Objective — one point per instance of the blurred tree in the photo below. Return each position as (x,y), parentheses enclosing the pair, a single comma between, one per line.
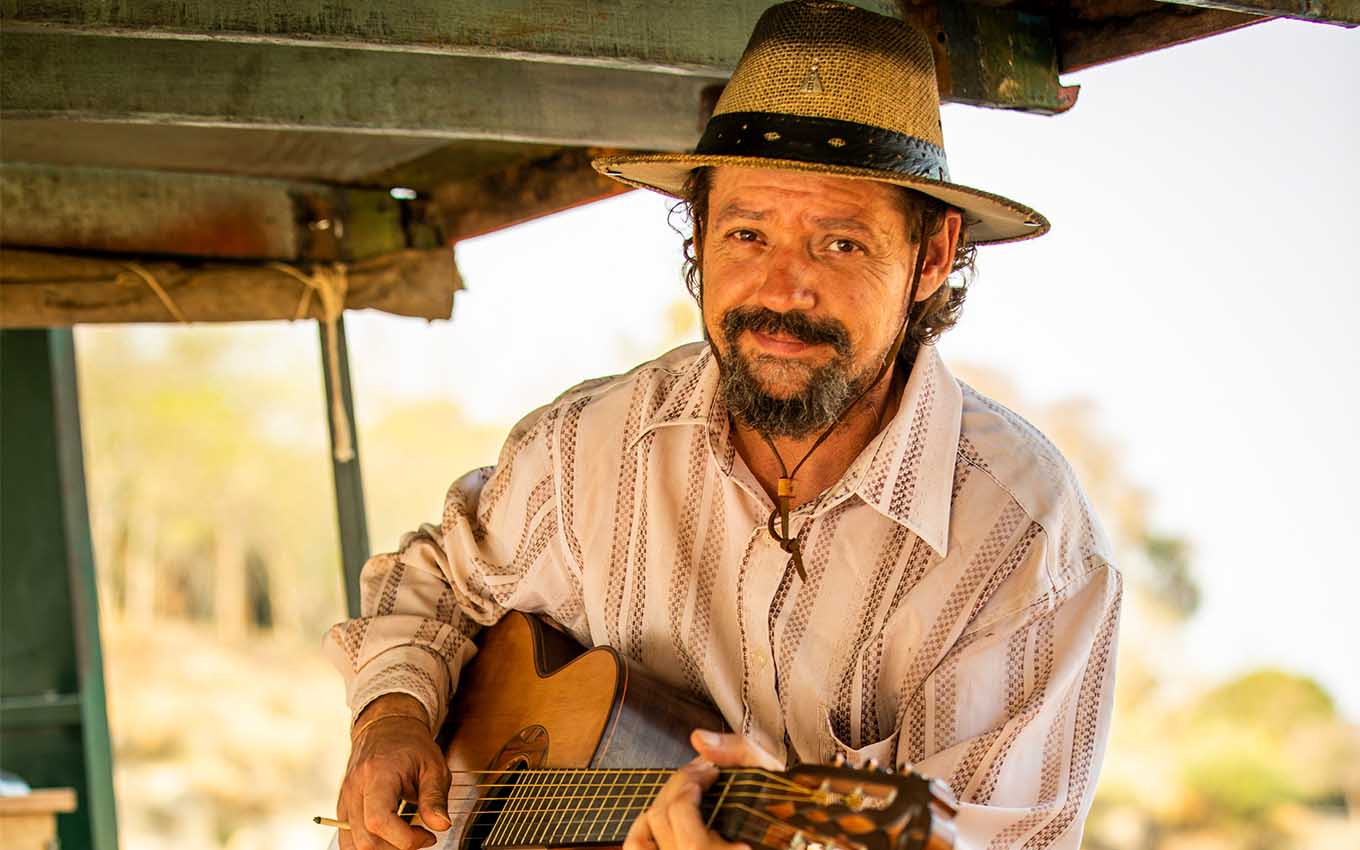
(198,454)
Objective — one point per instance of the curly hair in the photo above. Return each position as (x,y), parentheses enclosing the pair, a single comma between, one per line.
(929,318)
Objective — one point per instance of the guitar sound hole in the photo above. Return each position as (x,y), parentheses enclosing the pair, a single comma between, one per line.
(490,804)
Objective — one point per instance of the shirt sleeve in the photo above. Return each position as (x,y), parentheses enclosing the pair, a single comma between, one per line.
(497,547)
(1015,717)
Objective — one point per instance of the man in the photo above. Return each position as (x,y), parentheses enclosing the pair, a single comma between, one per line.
(806,520)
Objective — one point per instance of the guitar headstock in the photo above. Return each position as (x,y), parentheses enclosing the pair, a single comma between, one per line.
(829,807)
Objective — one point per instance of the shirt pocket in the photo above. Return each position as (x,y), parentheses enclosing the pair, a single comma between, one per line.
(884,751)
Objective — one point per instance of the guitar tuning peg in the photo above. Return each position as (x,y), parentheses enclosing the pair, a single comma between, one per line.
(872,764)
(838,760)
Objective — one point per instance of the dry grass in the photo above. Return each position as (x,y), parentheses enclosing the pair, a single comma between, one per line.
(222,745)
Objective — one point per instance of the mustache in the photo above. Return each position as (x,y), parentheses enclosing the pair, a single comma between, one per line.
(794,323)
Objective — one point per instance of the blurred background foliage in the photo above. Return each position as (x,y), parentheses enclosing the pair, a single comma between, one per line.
(217,553)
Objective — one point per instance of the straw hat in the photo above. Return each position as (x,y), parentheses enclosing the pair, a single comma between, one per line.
(829,88)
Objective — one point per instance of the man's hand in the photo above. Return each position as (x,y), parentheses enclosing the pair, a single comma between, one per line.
(392,757)
(673,821)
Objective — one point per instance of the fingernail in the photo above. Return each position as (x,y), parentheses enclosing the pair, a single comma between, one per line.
(709,739)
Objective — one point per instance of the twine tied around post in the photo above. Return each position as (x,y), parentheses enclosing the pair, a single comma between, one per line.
(331,284)
(155,286)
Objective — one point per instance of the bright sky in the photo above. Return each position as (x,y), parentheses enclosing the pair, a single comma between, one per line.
(1200,285)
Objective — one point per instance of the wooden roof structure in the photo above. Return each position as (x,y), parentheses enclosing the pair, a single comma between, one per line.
(225,132)
(227,160)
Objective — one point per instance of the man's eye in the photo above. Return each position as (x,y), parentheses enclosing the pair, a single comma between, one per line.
(743,235)
(844,246)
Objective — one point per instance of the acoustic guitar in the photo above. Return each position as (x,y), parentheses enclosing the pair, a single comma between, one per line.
(554,746)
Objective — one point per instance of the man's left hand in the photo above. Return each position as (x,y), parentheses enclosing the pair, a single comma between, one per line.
(673,821)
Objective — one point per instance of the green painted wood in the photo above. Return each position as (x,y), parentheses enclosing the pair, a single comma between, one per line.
(347,476)
(1325,11)
(40,711)
(1002,58)
(49,620)
(73,208)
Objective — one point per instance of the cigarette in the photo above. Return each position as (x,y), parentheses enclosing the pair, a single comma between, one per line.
(339,824)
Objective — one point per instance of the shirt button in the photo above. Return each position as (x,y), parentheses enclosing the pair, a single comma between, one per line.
(761,659)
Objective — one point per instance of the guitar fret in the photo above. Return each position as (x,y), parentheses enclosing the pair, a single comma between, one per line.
(569,813)
(595,786)
(524,811)
(641,798)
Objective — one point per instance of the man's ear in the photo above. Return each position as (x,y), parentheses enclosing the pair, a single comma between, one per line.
(940,248)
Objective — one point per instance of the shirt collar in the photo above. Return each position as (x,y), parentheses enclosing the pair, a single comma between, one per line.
(906,472)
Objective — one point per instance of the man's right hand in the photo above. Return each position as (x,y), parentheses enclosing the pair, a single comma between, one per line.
(392,757)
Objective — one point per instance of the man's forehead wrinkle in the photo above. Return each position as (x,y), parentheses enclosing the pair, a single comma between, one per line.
(828,223)
(734,209)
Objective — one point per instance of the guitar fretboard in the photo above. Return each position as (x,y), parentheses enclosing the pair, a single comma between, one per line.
(563,808)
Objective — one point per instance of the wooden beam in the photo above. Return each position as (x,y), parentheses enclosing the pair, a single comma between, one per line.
(202,215)
(612,73)
(995,57)
(522,192)
(247,152)
(1345,12)
(40,289)
(700,37)
(1083,44)
(414,95)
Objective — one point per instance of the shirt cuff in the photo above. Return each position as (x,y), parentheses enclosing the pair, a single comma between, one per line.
(410,670)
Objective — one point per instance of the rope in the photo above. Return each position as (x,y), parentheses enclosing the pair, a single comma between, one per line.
(330,283)
(154,285)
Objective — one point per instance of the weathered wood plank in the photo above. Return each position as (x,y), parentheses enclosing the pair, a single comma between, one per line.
(40,289)
(528,70)
(1083,45)
(202,215)
(145,80)
(1324,11)
(519,193)
(987,56)
(249,152)
(704,37)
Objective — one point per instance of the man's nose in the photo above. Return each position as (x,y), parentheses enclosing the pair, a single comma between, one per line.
(788,281)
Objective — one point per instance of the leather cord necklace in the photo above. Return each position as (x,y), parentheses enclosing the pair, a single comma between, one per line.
(785,488)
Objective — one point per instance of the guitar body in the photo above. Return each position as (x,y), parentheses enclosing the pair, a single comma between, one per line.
(534,698)
(555,746)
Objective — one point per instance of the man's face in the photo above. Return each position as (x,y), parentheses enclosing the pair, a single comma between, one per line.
(805,282)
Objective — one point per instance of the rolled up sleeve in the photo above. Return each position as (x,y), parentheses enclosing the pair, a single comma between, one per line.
(497,547)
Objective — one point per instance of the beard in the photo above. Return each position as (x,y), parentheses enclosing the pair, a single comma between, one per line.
(826,390)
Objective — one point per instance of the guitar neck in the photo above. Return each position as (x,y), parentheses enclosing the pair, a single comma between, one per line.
(576,807)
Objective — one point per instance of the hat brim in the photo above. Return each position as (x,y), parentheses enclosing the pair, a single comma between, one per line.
(992,219)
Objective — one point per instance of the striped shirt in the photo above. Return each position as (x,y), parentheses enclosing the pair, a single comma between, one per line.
(959,614)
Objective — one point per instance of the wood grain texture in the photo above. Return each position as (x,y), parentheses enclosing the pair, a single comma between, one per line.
(700,36)
(329,89)
(40,289)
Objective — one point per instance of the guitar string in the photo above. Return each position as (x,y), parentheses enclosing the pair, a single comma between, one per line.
(511,809)
(520,801)
(772,779)
(750,832)
(745,786)
(619,804)
(617,814)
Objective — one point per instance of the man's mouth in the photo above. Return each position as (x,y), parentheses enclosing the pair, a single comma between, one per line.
(779,343)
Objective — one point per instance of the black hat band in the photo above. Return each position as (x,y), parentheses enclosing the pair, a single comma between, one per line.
(825,141)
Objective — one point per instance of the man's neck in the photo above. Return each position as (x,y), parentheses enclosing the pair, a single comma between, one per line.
(855,430)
